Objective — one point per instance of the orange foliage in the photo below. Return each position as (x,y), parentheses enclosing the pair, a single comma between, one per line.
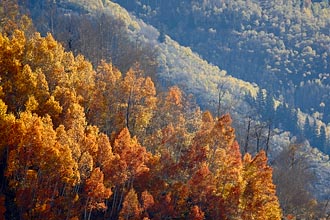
(131,153)
(60,166)
(96,191)
(196,213)
(131,207)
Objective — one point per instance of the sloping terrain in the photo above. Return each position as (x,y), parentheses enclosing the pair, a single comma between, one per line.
(174,65)
(282,46)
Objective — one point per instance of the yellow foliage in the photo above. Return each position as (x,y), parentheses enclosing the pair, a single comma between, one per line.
(308,12)
(52,107)
(31,104)
(259,200)
(76,198)
(3,108)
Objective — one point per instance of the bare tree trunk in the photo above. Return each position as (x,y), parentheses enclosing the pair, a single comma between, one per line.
(89,214)
(121,197)
(246,145)
(268,137)
(221,94)
(129,108)
(114,201)
(85,211)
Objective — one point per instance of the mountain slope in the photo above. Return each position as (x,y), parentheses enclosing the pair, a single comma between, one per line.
(281,46)
(283,41)
(175,65)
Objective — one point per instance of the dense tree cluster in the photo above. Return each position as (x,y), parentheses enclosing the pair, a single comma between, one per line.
(95,35)
(280,45)
(79,142)
(98,34)
(282,40)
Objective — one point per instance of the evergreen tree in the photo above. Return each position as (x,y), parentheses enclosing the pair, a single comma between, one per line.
(322,141)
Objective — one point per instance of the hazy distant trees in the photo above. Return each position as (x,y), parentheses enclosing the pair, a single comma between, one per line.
(281,47)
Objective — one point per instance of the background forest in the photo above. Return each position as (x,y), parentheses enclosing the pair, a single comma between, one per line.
(139,129)
(282,46)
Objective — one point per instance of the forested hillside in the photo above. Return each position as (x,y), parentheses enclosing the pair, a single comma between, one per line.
(282,46)
(85,143)
(120,134)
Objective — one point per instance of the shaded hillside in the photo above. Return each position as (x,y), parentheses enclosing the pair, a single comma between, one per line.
(78,142)
(284,44)
(110,33)
(281,46)
(176,64)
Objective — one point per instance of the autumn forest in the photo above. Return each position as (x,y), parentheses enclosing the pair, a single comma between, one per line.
(83,140)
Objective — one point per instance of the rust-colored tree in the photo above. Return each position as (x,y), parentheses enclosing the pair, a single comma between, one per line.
(147,203)
(202,187)
(132,153)
(129,164)
(196,213)
(216,168)
(97,193)
(131,209)
(31,163)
